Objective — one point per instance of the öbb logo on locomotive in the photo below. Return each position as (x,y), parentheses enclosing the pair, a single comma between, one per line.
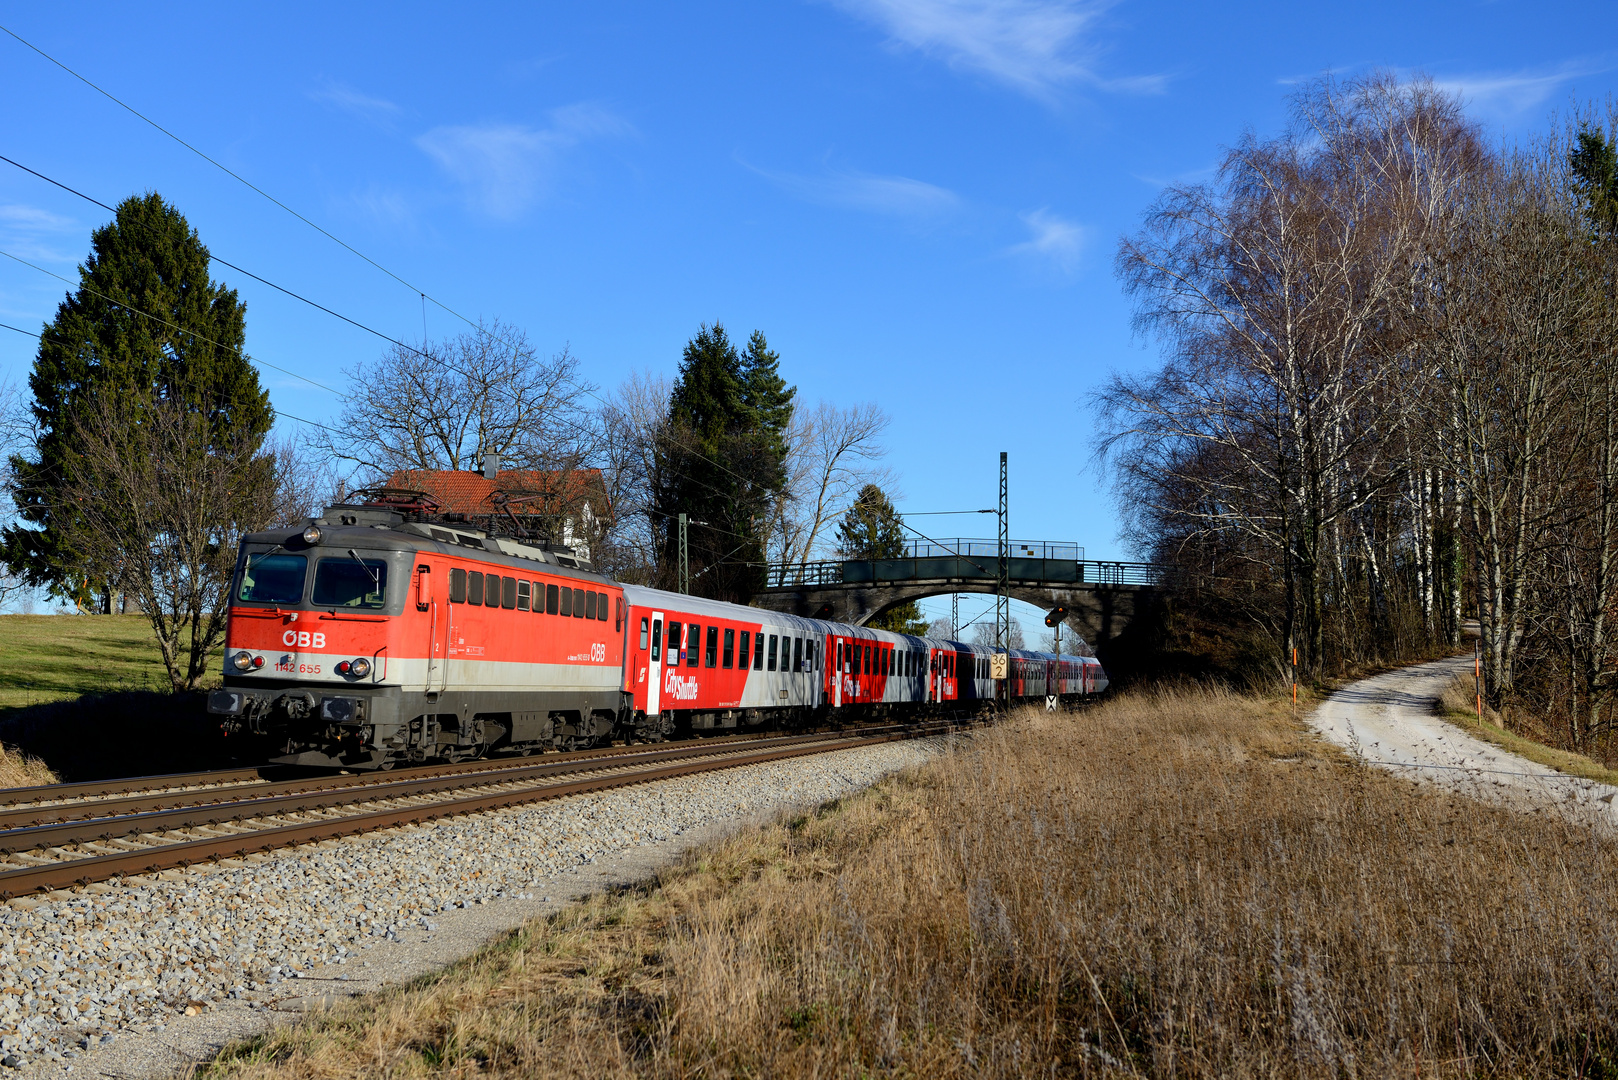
(439,640)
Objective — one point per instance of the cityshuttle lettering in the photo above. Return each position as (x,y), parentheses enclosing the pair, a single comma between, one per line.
(679,689)
(303,639)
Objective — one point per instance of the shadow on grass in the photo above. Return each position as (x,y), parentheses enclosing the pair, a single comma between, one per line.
(124,733)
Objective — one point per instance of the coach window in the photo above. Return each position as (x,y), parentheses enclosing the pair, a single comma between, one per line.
(523,595)
(758,652)
(712,658)
(774,645)
(617,613)
(693,644)
(810,653)
(744,650)
(730,648)
(797,654)
(674,644)
(508,593)
(643,634)
(474,587)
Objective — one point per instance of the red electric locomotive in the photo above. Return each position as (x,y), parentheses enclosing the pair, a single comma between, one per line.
(382,633)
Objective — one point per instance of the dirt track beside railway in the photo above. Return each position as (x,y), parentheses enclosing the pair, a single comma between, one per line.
(1390,721)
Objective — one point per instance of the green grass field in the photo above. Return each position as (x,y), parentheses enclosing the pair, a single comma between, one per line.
(55,657)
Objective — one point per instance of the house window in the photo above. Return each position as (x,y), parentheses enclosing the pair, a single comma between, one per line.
(774,644)
(730,648)
(457,586)
(474,587)
(712,657)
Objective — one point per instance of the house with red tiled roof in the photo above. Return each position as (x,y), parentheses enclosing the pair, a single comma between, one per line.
(565,506)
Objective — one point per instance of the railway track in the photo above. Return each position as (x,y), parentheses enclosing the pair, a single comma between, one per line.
(86,833)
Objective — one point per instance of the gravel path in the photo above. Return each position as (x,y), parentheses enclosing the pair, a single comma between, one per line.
(1389,721)
(136,979)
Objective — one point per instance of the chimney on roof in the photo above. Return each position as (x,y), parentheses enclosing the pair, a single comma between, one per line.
(491,466)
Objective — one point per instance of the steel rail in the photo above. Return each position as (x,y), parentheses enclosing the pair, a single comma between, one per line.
(30,815)
(124,785)
(260,801)
(156,859)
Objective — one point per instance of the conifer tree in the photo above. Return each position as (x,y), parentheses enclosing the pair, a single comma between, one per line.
(721,461)
(871,529)
(146,324)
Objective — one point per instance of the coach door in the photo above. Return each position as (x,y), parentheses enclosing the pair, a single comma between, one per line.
(835,670)
(654,667)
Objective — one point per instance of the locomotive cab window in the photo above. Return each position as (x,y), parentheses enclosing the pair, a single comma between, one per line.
(273,579)
(349,583)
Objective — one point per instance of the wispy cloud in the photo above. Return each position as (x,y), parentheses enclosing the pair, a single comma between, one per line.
(1508,94)
(31,232)
(373,109)
(506,168)
(1052,239)
(897,196)
(1034,46)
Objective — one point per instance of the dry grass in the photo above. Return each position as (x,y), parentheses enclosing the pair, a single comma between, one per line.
(20,770)
(1172,885)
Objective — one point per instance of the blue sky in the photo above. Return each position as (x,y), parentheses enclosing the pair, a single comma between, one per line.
(916,200)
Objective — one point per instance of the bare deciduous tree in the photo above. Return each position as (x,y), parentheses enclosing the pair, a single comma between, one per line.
(832,452)
(162,502)
(449,404)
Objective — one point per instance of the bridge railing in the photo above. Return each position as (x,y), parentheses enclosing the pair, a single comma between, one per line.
(966,566)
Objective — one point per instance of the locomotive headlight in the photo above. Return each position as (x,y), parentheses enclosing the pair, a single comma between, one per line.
(311,535)
(359,668)
(243,660)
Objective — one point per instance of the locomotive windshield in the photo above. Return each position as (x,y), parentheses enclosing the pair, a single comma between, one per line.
(273,579)
(349,583)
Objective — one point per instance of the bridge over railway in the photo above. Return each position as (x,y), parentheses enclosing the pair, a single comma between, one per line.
(1101,597)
